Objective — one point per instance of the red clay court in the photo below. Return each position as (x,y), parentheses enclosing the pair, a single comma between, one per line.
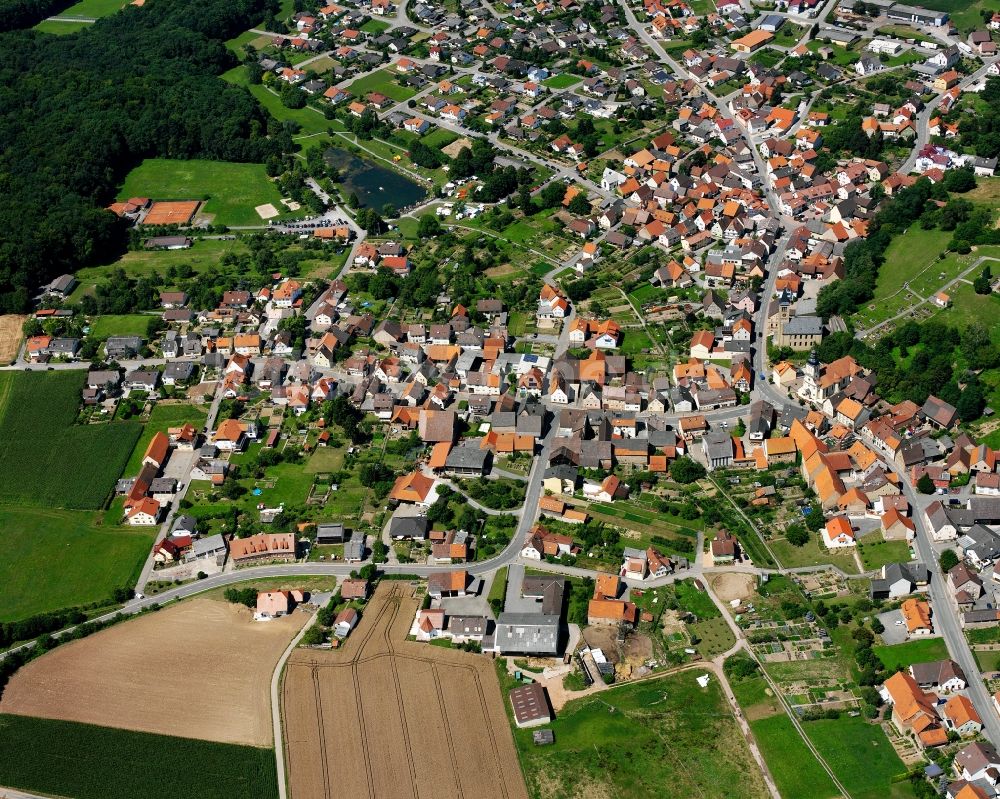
(171,213)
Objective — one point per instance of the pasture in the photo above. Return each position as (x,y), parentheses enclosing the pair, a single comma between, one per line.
(231,191)
(635,739)
(52,559)
(382,716)
(61,758)
(47,460)
(201,668)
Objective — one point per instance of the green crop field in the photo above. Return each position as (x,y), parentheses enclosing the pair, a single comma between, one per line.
(384,82)
(232,190)
(87,762)
(53,559)
(164,416)
(634,740)
(912,652)
(860,755)
(48,461)
(104,327)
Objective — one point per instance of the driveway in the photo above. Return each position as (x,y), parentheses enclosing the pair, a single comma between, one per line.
(895,627)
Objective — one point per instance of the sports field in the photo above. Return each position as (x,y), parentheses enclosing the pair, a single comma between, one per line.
(52,559)
(231,191)
(60,758)
(48,461)
(200,668)
(382,716)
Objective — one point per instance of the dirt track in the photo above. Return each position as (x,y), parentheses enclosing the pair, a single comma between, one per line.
(732,585)
(10,336)
(431,720)
(198,669)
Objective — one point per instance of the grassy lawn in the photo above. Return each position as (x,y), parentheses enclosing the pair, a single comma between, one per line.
(162,417)
(767,57)
(562,81)
(375,26)
(794,767)
(814,553)
(635,739)
(911,652)
(52,559)
(439,137)
(860,755)
(231,191)
(636,342)
(498,588)
(875,552)
(384,82)
(61,28)
(104,327)
(88,762)
(908,254)
(715,637)
(967,307)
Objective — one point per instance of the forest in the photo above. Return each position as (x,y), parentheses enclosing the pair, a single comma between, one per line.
(77,112)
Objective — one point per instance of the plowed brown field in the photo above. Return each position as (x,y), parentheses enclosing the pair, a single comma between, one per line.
(383,717)
(196,669)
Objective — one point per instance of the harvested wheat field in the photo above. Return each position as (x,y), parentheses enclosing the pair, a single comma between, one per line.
(198,669)
(386,717)
(10,336)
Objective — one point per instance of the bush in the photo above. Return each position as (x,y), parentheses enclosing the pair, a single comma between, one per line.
(242,596)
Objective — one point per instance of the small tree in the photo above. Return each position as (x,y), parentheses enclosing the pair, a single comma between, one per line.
(948,560)
(925,485)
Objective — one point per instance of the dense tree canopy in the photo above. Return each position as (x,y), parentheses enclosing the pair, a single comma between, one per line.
(78,111)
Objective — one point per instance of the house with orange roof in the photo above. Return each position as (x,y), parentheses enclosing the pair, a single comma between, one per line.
(961,717)
(913,710)
(416,488)
(917,617)
(838,533)
(896,526)
(143,513)
(158,449)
